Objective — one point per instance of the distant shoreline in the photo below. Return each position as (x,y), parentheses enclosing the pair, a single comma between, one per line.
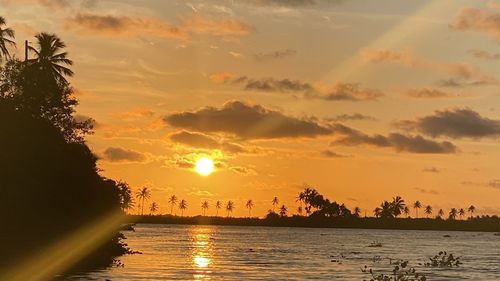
(483,224)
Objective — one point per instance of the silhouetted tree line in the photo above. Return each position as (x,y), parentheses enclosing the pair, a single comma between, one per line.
(50,185)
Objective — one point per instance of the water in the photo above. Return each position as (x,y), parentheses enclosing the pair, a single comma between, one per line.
(182,252)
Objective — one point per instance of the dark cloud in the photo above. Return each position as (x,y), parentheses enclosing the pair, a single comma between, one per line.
(351,117)
(454,123)
(275,55)
(480,54)
(246,121)
(460,83)
(331,154)
(400,142)
(199,140)
(431,170)
(117,154)
(426,93)
(349,92)
(473,19)
(273,85)
(288,3)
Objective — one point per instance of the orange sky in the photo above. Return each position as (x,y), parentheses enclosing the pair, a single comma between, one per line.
(363,100)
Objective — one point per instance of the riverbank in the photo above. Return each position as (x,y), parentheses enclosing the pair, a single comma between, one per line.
(482,224)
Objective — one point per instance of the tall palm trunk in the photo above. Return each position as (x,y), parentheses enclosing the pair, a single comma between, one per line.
(142,207)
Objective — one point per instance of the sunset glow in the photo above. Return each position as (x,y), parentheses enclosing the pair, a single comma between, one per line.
(204,166)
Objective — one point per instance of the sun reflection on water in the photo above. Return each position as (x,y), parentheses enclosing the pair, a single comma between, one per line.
(202,258)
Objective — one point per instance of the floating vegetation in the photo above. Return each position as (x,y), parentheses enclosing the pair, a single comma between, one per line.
(447,236)
(497,234)
(401,272)
(443,259)
(375,244)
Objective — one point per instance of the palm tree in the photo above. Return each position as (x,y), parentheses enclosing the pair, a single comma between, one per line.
(229,207)
(275,202)
(357,211)
(49,57)
(249,206)
(153,208)
(183,206)
(398,205)
(204,206)
(471,210)
(218,205)
(428,210)
(461,212)
(283,211)
(7,36)
(143,194)
(440,213)
(417,205)
(406,210)
(453,214)
(172,201)
(377,212)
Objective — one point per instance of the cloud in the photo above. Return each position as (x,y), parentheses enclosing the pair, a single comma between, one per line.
(409,59)
(494,184)
(199,140)
(340,92)
(400,142)
(127,26)
(246,121)
(473,19)
(279,54)
(331,154)
(50,4)
(480,54)
(426,191)
(136,114)
(117,154)
(287,3)
(222,77)
(427,93)
(454,123)
(243,171)
(431,170)
(351,117)
(350,92)
(235,54)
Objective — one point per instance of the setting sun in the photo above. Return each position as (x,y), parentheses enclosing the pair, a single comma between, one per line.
(204,166)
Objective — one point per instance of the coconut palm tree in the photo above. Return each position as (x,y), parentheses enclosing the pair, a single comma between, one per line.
(461,213)
(406,211)
(172,201)
(183,206)
(428,210)
(357,211)
(377,212)
(204,206)
(249,206)
(300,210)
(50,58)
(275,203)
(229,207)
(440,213)
(471,210)
(153,208)
(453,214)
(143,194)
(218,205)
(283,211)
(398,205)
(417,205)
(7,37)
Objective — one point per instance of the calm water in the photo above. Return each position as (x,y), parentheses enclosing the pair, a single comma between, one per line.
(178,252)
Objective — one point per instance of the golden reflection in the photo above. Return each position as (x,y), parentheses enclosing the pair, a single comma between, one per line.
(202,257)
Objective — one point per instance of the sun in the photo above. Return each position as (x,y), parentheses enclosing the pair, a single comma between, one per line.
(204,166)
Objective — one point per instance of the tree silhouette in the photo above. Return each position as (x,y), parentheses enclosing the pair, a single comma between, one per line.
(126,199)
(50,57)
(398,205)
(275,202)
(172,201)
(461,213)
(229,207)
(7,37)
(249,206)
(406,210)
(153,208)
(283,211)
(417,205)
(357,211)
(428,210)
(440,213)
(471,210)
(143,195)
(183,206)
(300,210)
(204,206)
(218,205)
(453,214)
